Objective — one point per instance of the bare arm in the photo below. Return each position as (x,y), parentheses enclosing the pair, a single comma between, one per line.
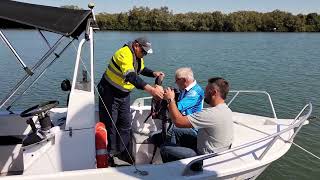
(178,119)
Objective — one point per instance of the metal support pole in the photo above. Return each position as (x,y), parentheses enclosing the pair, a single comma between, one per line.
(5,40)
(48,53)
(44,38)
(233,98)
(187,171)
(91,57)
(268,147)
(43,71)
(25,78)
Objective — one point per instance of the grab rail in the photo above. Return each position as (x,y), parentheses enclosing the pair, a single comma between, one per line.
(77,64)
(247,91)
(187,171)
(140,101)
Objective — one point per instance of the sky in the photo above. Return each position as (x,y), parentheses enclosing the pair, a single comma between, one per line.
(183,6)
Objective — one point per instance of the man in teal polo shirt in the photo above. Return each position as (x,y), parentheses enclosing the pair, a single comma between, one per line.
(190,101)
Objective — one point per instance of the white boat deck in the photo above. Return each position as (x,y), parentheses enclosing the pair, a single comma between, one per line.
(221,166)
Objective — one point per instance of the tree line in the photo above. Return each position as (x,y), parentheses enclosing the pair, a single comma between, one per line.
(161,19)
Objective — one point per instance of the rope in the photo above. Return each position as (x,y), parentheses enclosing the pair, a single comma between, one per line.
(303,149)
(310,153)
(144,172)
(282,138)
(95,86)
(306,151)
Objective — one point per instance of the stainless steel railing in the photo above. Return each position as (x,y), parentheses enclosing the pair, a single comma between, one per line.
(299,122)
(259,92)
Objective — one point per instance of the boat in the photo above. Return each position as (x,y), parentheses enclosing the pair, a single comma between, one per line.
(50,142)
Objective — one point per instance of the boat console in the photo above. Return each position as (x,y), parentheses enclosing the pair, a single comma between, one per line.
(39,112)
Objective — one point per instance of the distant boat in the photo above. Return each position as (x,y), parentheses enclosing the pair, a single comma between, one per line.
(59,143)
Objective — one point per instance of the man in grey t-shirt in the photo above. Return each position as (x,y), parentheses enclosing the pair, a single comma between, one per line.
(215,128)
(215,123)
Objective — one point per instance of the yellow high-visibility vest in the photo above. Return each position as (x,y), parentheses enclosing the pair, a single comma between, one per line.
(123,62)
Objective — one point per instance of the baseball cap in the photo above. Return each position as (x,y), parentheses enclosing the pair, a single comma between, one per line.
(145,44)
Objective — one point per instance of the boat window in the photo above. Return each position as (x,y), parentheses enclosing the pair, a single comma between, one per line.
(83,81)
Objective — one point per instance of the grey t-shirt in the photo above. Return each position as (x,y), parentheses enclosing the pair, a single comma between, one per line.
(215,126)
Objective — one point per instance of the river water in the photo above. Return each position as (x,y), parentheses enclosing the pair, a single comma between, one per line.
(284,64)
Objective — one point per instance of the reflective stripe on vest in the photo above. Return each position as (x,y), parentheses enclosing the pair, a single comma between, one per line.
(114,84)
(114,74)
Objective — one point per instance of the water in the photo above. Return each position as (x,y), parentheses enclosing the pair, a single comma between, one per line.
(284,64)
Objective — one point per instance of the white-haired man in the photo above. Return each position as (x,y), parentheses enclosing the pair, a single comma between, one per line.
(191,95)
(189,101)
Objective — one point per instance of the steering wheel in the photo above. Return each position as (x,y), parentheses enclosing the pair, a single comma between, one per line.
(39,109)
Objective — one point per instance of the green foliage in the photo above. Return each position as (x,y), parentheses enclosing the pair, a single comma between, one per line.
(146,19)
(162,19)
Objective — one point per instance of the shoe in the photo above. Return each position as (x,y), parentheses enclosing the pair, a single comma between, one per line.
(198,166)
(124,156)
(111,161)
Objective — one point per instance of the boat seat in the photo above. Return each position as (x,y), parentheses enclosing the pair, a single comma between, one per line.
(244,135)
(144,150)
(141,138)
(11,159)
(11,140)
(13,129)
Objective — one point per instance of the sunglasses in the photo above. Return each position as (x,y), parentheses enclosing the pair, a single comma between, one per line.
(143,51)
(178,79)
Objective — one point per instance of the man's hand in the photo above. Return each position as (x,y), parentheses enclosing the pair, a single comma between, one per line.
(169,94)
(177,118)
(157,92)
(158,73)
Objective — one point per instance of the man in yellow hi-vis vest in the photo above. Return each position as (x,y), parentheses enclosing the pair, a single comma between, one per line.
(120,77)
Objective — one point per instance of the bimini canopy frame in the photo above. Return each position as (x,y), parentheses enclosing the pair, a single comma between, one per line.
(67,22)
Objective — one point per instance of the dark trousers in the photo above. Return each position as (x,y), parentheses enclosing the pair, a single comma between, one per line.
(185,146)
(118,105)
(178,136)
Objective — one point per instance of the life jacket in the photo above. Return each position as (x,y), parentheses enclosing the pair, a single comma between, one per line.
(123,62)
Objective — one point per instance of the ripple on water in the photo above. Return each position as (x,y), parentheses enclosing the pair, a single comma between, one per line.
(284,64)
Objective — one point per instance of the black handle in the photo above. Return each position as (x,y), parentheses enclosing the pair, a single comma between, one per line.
(31,123)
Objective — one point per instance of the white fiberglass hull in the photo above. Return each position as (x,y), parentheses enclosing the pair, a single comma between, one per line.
(240,164)
(129,173)
(258,141)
